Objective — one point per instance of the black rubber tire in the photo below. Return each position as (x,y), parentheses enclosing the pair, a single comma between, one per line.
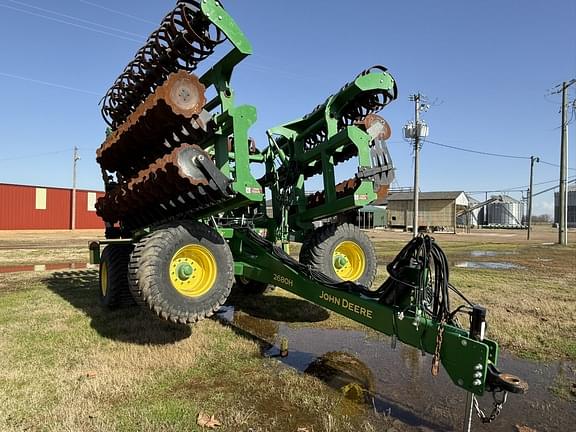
(115,258)
(317,250)
(250,287)
(149,272)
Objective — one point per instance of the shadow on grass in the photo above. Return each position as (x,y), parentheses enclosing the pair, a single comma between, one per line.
(276,308)
(130,324)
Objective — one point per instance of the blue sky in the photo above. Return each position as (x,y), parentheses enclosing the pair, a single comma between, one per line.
(485,66)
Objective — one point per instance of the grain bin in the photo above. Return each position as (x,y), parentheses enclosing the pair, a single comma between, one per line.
(506,213)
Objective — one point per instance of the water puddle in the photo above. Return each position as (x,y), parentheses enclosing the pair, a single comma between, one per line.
(477,265)
(46,267)
(489,253)
(398,381)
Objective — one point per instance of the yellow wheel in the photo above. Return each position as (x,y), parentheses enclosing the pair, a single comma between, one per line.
(113,280)
(183,271)
(104,279)
(342,252)
(349,260)
(193,270)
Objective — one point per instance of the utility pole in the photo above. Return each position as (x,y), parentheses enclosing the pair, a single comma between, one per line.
(75,159)
(533,159)
(563,193)
(416,196)
(416,131)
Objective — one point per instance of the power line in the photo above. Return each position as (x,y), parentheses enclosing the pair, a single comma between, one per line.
(252,66)
(49,84)
(559,87)
(546,98)
(73,18)
(518,188)
(491,154)
(34,155)
(477,151)
(70,23)
(538,184)
(554,165)
(118,12)
(553,187)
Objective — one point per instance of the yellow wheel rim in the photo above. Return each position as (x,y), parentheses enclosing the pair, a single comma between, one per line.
(193,270)
(349,261)
(104,279)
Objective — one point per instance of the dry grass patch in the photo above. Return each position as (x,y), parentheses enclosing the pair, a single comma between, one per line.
(12,257)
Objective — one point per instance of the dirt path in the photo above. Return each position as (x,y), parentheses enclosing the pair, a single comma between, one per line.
(47,239)
(540,234)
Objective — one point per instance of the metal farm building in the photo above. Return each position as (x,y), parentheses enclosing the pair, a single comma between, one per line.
(571,192)
(437,210)
(37,208)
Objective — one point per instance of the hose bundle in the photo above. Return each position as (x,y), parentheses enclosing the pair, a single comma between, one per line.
(420,275)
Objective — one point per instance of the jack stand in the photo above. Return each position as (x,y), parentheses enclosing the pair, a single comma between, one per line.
(468,414)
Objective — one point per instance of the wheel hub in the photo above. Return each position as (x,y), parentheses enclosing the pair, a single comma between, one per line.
(184,270)
(340,261)
(349,260)
(193,270)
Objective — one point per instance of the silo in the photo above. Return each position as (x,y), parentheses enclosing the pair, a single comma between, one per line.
(482,216)
(507,213)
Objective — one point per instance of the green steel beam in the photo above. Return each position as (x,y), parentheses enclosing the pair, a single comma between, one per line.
(221,19)
(328,113)
(320,157)
(465,359)
(363,195)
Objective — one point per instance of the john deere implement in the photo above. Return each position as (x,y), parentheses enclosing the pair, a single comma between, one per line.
(186,219)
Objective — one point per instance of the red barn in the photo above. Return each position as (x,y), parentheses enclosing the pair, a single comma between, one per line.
(38,207)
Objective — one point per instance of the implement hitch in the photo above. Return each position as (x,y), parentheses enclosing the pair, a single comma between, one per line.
(411,306)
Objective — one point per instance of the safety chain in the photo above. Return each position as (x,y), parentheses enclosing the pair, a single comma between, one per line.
(436,358)
(498,404)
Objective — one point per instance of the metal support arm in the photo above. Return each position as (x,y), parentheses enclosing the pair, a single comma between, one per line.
(465,360)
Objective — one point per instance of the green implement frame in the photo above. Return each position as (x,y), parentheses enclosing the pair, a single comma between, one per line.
(233,120)
(224,201)
(316,144)
(465,359)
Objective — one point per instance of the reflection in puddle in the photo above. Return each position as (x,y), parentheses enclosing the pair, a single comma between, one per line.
(398,382)
(487,265)
(46,267)
(489,253)
(345,373)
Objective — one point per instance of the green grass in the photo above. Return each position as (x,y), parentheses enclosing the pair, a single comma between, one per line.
(68,365)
